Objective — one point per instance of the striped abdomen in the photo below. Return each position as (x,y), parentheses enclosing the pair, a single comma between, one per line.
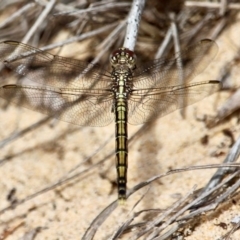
(121,147)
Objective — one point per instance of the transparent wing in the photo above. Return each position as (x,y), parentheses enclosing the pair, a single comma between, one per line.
(144,105)
(165,72)
(81,107)
(52,70)
(84,97)
(78,93)
(157,87)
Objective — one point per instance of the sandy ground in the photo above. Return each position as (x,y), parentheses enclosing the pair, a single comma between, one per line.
(46,154)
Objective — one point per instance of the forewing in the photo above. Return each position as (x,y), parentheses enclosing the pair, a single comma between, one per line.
(86,108)
(144,105)
(52,70)
(165,72)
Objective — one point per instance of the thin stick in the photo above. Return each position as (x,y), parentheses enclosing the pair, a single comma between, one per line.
(112,36)
(96,9)
(169,219)
(218,28)
(177,50)
(134,18)
(164,44)
(17,14)
(80,37)
(235,6)
(165,214)
(231,157)
(39,21)
(21,133)
(223,8)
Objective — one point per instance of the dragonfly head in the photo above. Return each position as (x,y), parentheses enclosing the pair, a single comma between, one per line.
(123,57)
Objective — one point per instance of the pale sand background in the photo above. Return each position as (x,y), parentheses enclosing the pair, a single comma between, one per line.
(47,153)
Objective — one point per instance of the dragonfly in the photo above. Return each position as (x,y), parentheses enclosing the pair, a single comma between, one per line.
(92,95)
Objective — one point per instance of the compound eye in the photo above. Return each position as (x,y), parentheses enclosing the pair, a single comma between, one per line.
(118,55)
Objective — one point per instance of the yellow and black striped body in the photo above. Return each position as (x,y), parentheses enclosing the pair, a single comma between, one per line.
(123,63)
(121,146)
